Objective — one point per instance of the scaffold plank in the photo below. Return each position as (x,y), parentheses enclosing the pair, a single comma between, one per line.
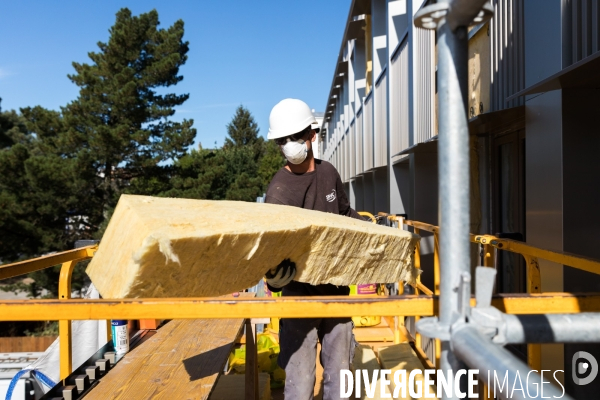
(181,361)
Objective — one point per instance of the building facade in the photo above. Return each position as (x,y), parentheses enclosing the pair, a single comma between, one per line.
(534,79)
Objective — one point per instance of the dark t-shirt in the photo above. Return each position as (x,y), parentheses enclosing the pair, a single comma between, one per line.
(319,190)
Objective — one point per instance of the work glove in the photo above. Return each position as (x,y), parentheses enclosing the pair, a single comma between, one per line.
(282,274)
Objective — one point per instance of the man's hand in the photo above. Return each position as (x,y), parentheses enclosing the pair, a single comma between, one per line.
(281,275)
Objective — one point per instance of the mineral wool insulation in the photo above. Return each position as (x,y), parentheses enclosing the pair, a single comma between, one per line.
(162,247)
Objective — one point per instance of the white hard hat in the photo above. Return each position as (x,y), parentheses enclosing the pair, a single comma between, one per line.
(290,116)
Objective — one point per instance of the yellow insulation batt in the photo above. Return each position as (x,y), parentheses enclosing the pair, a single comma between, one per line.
(163,247)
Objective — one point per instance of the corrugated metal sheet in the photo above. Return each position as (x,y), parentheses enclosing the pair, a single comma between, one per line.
(342,159)
(581,31)
(380,145)
(360,157)
(352,149)
(369,139)
(508,53)
(399,116)
(424,90)
(347,155)
(334,158)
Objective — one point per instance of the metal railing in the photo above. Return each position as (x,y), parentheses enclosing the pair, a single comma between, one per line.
(68,260)
(490,245)
(484,328)
(424,303)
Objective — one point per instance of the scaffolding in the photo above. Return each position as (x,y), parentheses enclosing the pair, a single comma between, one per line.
(469,332)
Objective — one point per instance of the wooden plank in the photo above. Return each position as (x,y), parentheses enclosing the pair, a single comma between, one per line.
(384,332)
(181,361)
(25,343)
(230,387)
(374,334)
(402,357)
(365,360)
(251,380)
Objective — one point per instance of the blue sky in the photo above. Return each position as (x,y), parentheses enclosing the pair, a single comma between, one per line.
(253,53)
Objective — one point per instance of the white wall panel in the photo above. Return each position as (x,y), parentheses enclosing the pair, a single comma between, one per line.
(380,145)
(368,133)
(424,85)
(352,150)
(399,94)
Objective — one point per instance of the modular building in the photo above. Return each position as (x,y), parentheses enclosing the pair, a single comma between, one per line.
(533,98)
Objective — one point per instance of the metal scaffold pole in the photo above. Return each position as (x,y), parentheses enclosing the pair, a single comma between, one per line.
(453,161)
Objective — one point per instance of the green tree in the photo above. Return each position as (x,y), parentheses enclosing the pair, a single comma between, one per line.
(243,151)
(42,193)
(270,162)
(240,170)
(216,174)
(243,182)
(61,174)
(12,128)
(242,130)
(120,121)
(15,234)
(200,174)
(28,216)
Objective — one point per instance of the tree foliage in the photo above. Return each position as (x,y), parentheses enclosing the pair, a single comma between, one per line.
(241,170)
(37,185)
(120,121)
(242,130)
(61,173)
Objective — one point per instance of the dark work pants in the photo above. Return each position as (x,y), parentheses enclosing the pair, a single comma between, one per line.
(298,351)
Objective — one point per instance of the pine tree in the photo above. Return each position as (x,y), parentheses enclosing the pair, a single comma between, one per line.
(62,174)
(243,150)
(243,182)
(120,121)
(242,130)
(40,187)
(15,233)
(41,191)
(240,170)
(200,174)
(12,128)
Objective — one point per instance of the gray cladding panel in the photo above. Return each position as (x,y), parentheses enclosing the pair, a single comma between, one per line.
(544,186)
(544,183)
(425,170)
(581,169)
(400,189)
(581,30)
(359,196)
(543,39)
(381,200)
(581,144)
(506,32)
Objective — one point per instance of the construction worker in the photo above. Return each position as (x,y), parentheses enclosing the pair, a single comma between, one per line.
(313,184)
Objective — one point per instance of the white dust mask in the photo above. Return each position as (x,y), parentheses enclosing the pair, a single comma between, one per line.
(295,152)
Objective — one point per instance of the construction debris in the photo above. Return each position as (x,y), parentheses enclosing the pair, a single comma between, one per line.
(163,247)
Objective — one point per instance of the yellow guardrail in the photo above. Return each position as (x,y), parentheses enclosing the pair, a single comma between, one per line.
(66,309)
(531,255)
(67,260)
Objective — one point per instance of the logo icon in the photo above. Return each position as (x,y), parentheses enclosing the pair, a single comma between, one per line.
(331,196)
(584,368)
